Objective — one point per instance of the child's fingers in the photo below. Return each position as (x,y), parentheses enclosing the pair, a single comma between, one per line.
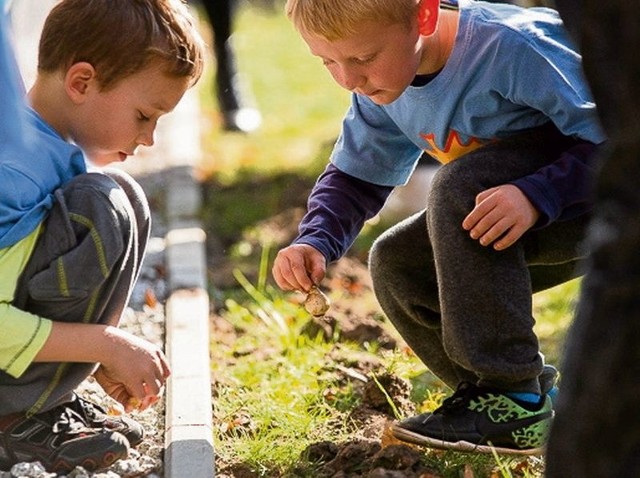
(510,238)
(151,394)
(291,274)
(283,274)
(301,276)
(477,214)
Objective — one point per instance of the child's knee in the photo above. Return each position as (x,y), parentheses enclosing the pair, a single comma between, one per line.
(454,184)
(381,258)
(86,237)
(96,201)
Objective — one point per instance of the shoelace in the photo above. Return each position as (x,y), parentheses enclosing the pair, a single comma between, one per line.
(90,410)
(67,421)
(459,400)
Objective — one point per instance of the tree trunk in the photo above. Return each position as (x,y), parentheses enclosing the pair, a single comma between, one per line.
(596,432)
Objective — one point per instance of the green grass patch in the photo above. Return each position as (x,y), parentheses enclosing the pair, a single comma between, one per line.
(278,393)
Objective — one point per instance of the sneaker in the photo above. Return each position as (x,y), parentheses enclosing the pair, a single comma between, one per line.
(96,417)
(60,440)
(480,420)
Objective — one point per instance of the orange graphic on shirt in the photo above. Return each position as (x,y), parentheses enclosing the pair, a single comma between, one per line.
(453,148)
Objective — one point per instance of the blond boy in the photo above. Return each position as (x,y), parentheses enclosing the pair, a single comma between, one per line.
(497,95)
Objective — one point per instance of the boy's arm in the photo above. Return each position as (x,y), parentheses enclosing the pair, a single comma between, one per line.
(337,209)
(130,367)
(134,367)
(563,190)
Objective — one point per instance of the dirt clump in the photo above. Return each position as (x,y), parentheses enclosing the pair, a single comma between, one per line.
(366,458)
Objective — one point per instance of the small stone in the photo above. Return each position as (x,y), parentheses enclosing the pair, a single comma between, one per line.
(126,467)
(79,472)
(29,470)
(106,474)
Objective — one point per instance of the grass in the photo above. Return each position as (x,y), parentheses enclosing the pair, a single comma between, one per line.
(277,391)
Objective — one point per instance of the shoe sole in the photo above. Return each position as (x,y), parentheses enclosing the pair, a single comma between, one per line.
(417,439)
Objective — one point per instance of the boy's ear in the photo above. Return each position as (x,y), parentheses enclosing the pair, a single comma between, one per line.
(428,16)
(78,80)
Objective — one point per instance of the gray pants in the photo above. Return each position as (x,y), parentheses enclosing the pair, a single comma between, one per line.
(465,309)
(82,270)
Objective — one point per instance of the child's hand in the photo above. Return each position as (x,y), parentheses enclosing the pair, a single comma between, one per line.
(501,216)
(135,371)
(299,267)
(118,391)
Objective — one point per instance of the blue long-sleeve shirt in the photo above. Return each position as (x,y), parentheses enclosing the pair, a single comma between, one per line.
(510,70)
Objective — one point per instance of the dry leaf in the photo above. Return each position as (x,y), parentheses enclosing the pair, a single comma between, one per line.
(150,298)
(134,402)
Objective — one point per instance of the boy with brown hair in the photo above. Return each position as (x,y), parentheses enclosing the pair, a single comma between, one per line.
(496,93)
(72,241)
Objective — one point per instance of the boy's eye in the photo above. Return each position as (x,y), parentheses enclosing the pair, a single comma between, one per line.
(142,117)
(364,60)
(326,62)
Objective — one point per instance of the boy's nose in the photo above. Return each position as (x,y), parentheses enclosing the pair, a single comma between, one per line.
(147,138)
(352,79)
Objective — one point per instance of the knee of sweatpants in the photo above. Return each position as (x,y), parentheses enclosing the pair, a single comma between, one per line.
(381,258)
(96,200)
(454,186)
(97,188)
(135,194)
(87,236)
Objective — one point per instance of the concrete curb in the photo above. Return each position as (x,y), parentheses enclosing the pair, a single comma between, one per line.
(188,413)
(188,433)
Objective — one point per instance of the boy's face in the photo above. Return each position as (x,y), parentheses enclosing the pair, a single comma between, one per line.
(378,61)
(110,125)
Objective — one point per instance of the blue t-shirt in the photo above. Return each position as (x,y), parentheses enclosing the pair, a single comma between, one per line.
(34,159)
(510,70)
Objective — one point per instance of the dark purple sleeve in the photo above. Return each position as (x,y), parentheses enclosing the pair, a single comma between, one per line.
(564,189)
(338,207)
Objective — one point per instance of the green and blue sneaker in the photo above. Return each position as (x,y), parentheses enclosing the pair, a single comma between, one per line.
(478,419)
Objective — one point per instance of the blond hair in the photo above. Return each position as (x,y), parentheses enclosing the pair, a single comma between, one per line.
(121,37)
(335,19)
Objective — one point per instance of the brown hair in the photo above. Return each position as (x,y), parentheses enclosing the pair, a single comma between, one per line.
(335,19)
(121,37)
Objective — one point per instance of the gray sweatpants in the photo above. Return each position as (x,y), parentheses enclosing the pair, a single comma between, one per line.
(465,309)
(83,269)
